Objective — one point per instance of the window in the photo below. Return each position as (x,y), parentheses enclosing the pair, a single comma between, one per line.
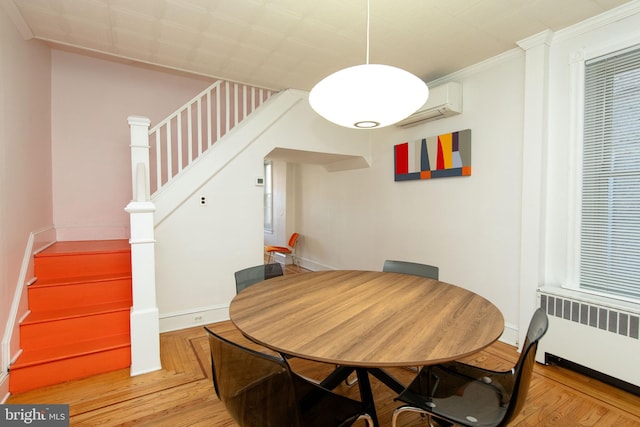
(610,209)
(268,197)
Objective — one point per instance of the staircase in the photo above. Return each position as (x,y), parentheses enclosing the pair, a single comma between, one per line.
(78,323)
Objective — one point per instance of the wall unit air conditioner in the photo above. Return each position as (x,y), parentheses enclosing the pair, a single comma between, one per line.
(443,101)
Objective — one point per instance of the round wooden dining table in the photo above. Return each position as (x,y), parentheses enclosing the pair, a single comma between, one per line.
(366,320)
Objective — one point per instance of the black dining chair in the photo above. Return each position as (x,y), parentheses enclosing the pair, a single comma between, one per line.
(252,275)
(413,268)
(261,390)
(472,396)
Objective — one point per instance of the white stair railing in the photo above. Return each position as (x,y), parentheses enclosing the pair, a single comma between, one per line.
(181,138)
(157,156)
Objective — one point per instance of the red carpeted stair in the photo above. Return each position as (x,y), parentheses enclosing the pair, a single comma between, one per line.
(79,320)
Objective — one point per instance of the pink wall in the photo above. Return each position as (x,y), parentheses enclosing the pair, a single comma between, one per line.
(25,159)
(91,100)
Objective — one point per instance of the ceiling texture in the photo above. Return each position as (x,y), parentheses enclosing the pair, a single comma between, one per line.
(280,44)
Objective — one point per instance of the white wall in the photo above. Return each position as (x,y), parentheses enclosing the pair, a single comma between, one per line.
(199,248)
(92,99)
(25,161)
(468,226)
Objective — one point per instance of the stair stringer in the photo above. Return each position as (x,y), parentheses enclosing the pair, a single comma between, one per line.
(186,184)
(284,105)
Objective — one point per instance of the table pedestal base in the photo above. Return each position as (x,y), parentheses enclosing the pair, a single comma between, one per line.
(341,373)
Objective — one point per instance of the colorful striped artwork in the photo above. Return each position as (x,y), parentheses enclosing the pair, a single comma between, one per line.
(439,156)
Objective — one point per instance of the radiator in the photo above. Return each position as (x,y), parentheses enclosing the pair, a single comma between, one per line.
(601,337)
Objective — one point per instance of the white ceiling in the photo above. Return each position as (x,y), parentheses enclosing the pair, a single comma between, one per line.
(283,44)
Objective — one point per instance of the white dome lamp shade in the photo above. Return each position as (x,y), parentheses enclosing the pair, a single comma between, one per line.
(368,96)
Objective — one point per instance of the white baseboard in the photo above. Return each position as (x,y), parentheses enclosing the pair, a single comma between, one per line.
(9,344)
(4,387)
(312,266)
(510,335)
(197,317)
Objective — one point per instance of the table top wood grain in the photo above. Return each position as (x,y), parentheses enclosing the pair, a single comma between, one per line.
(366,318)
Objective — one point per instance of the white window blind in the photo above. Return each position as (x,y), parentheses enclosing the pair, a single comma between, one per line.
(610,224)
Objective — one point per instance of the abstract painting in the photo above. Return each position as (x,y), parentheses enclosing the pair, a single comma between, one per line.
(439,156)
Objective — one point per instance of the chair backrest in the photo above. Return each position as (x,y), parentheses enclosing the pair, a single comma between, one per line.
(258,273)
(256,389)
(524,368)
(293,240)
(413,268)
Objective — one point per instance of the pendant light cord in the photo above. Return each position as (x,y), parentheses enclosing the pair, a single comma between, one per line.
(368,23)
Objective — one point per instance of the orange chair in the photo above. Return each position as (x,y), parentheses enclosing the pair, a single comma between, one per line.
(272,250)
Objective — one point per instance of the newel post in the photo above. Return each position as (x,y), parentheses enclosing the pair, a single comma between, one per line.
(139,127)
(145,328)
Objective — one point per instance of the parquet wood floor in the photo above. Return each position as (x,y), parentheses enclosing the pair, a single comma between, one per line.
(181,394)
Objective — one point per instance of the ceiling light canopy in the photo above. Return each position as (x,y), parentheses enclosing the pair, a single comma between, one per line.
(369,95)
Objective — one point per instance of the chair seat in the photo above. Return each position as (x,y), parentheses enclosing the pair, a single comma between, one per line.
(281,249)
(456,397)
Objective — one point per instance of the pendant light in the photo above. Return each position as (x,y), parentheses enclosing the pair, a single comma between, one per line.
(369,95)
